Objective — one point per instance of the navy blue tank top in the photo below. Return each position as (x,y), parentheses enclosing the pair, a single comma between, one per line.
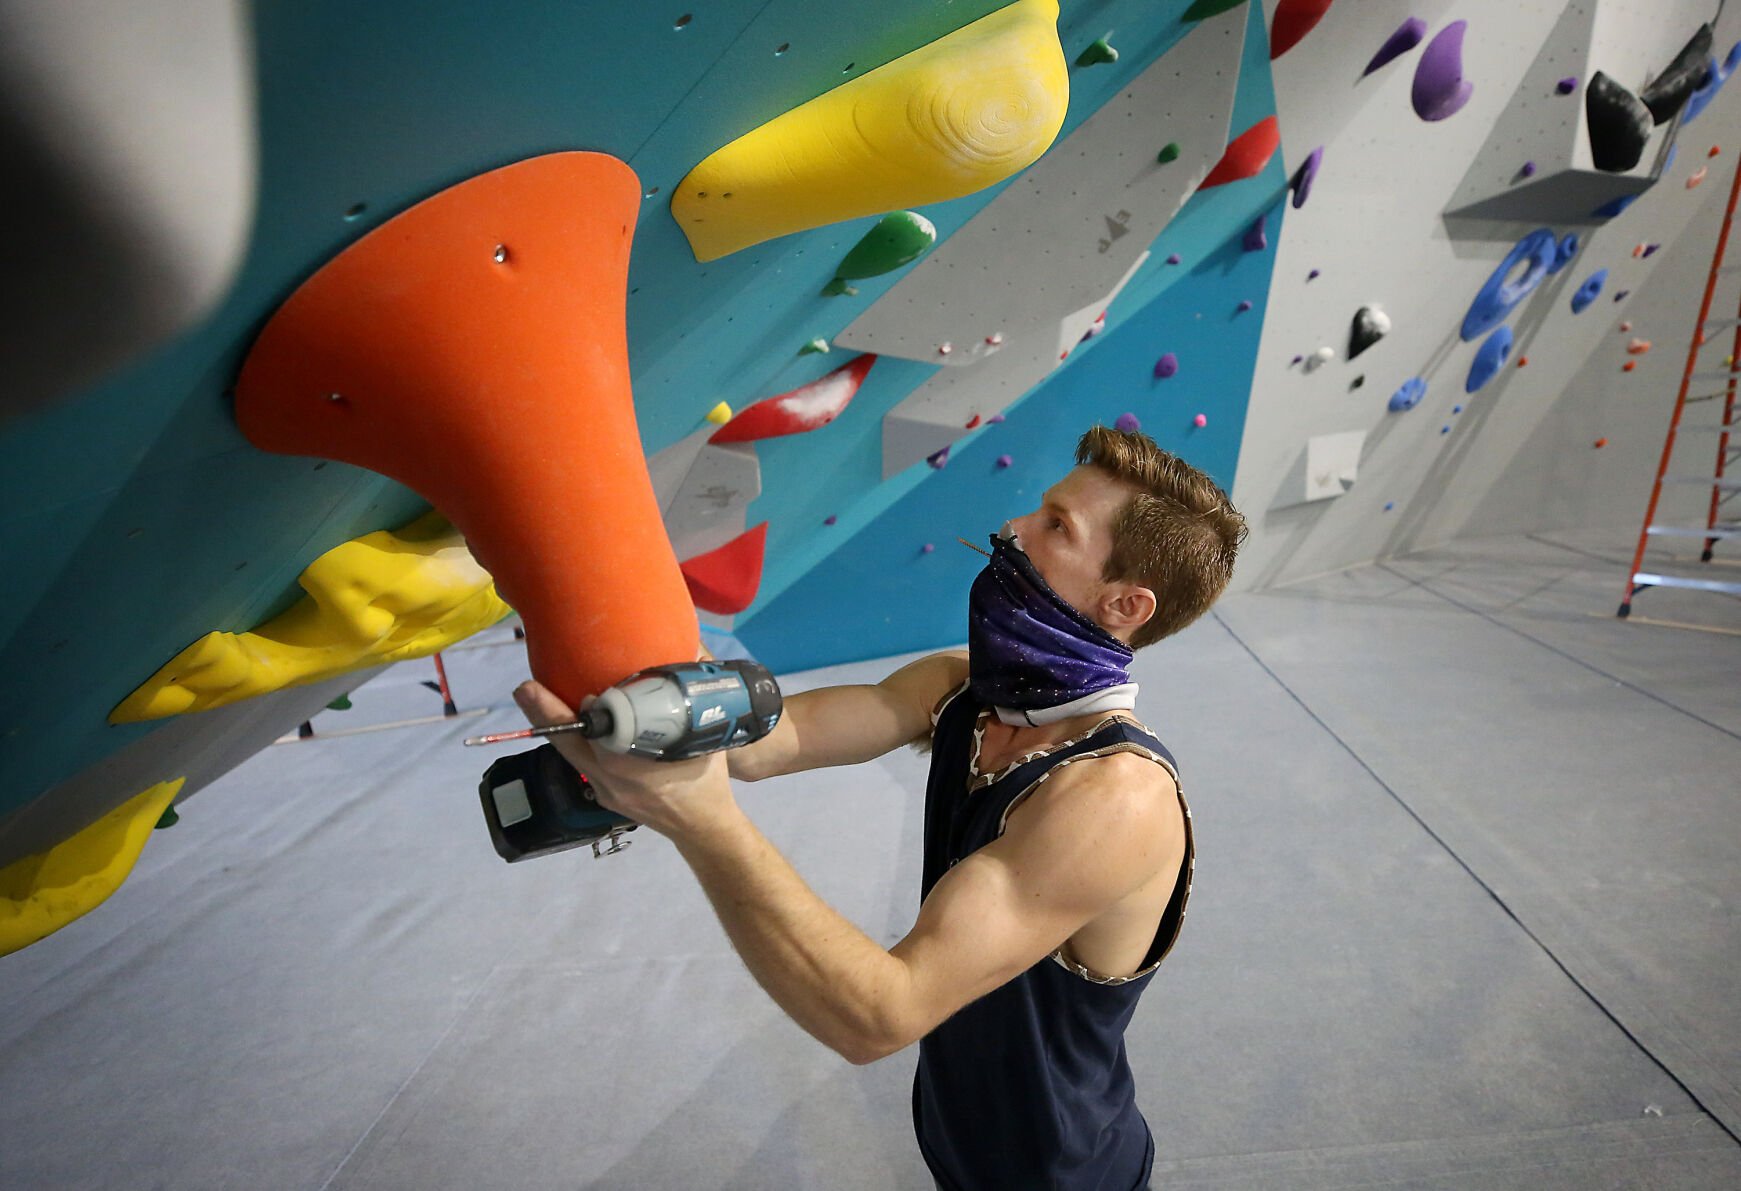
(1029,1087)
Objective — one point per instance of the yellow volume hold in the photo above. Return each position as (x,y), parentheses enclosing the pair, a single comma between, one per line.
(945,120)
(384,597)
(42,893)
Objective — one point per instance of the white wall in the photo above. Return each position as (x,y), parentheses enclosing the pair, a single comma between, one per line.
(1374,226)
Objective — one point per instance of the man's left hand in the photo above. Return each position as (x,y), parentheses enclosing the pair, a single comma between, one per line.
(674,798)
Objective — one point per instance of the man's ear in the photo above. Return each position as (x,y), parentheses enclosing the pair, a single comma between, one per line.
(1133,608)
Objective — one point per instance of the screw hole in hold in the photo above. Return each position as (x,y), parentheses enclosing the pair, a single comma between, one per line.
(501,253)
(652,191)
(683,20)
(356,211)
(320,465)
(784,46)
(337,399)
(848,68)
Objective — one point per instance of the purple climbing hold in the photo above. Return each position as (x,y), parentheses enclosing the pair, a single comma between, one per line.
(994,419)
(1440,90)
(1650,249)
(1301,182)
(1312,275)
(1255,238)
(1567,85)
(1242,307)
(1173,259)
(1620,294)
(928,548)
(1166,366)
(830,519)
(1295,360)
(1128,424)
(1528,170)
(939,459)
(1407,36)
(1004,461)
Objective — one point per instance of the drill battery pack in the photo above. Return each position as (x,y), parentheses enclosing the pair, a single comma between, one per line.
(536,803)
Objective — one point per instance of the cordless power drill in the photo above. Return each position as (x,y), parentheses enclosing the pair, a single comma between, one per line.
(536,803)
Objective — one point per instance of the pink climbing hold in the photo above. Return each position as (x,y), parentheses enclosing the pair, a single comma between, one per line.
(808,407)
(1293,20)
(1166,366)
(1695,178)
(1199,421)
(1440,90)
(1407,36)
(1625,327)
(1246,154)
(928,548)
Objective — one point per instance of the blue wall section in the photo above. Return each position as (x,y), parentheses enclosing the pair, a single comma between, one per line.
(879,594)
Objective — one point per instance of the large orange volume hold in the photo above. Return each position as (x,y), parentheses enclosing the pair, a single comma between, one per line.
(474,349)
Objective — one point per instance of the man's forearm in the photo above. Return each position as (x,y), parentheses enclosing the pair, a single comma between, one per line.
(822,970)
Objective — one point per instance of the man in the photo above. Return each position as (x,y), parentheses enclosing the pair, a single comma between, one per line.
(1058,850)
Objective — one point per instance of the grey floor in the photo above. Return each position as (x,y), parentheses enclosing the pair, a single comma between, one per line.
(1465,916)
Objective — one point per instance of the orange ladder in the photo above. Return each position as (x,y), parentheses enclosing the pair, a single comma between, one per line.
(1722,488)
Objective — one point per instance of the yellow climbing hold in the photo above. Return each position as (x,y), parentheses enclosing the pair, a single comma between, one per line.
(384,597)
(42,893)
(947,119)
(720,414)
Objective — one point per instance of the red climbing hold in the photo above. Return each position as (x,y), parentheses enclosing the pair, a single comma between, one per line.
(808,407)
(725,581)
(1293,20)
(1629,366)
(1247,154)
(1600,443)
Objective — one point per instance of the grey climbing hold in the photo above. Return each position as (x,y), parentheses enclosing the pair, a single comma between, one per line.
(1320,358)
(1370,325)
(1619,124)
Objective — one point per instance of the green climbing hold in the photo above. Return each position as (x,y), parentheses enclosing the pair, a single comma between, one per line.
(1100,51)
(813,347)
(1168,153)
(342,703)
(896,240)
(1208,8)
(838,287)
(169,819)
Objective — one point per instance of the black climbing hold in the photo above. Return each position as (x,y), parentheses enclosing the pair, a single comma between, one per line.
(1675,85)
(1370,325)
(1620,124)
(1357,382)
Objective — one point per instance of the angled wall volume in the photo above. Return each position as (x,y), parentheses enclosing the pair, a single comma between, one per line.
(1537,163)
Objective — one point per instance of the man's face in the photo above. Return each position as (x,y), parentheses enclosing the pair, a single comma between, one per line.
(1069,538)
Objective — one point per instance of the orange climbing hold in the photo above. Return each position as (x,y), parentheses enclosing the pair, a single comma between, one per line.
(1638,347)
(725,581)
(1247,154)
(473,348)
(1522,360)
(1629,366)
(1600,443)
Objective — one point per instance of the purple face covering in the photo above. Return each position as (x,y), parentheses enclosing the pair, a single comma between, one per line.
(1029,650)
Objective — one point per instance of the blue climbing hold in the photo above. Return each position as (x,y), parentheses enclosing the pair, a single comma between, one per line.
(1409,396)
(1564,253)
(1499,295)
(1490,357)
(1589,291)
(1614,206)
(1702,96)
